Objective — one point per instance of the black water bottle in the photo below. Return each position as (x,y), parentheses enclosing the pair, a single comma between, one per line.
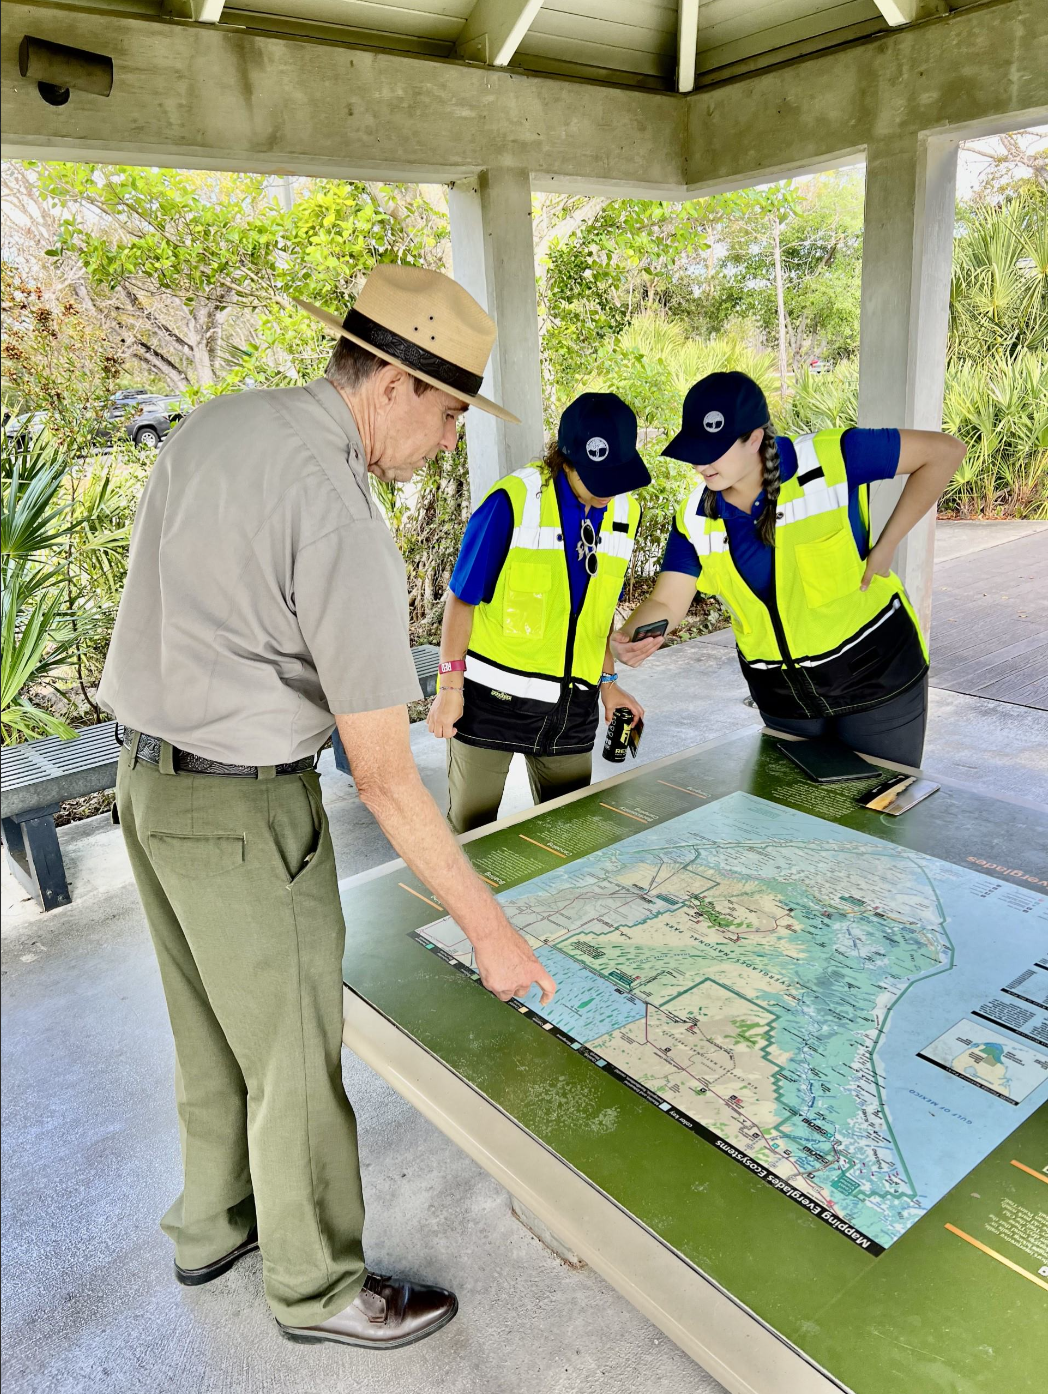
(618,738)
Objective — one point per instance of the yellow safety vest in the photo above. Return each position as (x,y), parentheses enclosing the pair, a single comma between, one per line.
(821,646)
(528,651)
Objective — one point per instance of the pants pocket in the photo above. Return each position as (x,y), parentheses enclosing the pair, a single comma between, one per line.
(299,828)
(196,855)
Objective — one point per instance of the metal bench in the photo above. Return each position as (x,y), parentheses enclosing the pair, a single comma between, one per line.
(36,779)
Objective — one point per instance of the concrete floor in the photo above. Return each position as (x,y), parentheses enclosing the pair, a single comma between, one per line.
(90,1151)
(90,1161)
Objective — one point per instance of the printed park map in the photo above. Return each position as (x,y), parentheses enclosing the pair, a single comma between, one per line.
(856,1023)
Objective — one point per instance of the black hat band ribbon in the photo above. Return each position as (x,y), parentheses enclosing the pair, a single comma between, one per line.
(404,351)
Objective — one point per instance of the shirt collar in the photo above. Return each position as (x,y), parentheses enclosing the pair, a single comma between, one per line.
(727,509)
(331,399)
(569,499)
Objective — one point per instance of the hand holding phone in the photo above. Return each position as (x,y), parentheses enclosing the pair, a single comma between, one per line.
(633,649)
(655,630)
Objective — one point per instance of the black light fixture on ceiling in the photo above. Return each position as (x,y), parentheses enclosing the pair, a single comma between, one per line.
(57,69)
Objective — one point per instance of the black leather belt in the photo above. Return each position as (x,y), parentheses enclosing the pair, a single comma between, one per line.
(186,762)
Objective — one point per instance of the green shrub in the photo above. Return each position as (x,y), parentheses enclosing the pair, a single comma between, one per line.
(999,408)
(66,525)
(827,401)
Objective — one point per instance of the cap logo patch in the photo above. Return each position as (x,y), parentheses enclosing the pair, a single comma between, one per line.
(597,449)
(713,421)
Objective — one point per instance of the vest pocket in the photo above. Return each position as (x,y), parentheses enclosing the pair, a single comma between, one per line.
(525,600)
(829,568)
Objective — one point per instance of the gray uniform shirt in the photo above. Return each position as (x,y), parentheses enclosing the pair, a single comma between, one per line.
(264,589)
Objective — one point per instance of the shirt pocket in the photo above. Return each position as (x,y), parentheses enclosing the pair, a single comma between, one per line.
(526,599)
(829,568)
(196,855)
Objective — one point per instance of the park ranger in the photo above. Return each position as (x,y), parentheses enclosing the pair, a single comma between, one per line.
(266,603)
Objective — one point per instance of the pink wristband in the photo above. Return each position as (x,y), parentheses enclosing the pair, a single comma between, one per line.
(456,665)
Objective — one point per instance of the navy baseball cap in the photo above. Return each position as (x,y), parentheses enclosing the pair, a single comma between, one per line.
(717,411)
(598,437)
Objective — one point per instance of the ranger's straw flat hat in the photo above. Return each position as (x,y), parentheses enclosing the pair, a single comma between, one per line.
(424,322)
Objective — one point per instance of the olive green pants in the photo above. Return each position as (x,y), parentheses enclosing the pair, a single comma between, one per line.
(237,878)
(477,779)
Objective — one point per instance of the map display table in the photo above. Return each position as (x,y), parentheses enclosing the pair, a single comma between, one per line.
(791,1096)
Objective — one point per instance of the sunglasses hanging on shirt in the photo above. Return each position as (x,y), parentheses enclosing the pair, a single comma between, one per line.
(587,548)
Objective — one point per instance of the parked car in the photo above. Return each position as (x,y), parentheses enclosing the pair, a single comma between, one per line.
(145,419)
(132,394)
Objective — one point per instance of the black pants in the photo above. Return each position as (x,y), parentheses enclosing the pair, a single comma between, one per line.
(892,731)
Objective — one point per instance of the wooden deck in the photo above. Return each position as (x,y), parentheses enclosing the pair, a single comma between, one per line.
(990,611)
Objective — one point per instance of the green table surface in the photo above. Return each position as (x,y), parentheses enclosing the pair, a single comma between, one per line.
(932,1313)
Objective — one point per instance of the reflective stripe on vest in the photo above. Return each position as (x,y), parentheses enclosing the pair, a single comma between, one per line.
(817,494)
(516,684)
(520,640)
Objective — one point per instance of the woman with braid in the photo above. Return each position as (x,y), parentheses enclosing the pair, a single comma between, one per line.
(779,530)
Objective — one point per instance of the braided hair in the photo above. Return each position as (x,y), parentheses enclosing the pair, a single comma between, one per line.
(552,463)
(769,453)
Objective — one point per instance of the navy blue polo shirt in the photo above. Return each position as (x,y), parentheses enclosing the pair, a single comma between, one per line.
(869,455)
(486,540)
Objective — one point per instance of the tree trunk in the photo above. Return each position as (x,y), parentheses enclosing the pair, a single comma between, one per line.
(780,301)
(198,338)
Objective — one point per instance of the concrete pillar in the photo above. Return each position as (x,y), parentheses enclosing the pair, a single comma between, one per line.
(907,258)
(493,256)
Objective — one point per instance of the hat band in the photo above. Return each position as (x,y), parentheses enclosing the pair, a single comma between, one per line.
(378,336)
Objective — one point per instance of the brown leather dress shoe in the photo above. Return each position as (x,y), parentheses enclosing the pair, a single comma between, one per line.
(385,1314)
(193,1277)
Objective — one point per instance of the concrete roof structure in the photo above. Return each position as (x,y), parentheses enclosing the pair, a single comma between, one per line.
(657,44)
(647,98)
(240,93)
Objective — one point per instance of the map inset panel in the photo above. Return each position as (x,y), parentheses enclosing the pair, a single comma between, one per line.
(995,1062)
(770,980)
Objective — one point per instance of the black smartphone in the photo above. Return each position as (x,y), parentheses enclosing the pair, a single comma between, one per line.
(655,630)
(827,760)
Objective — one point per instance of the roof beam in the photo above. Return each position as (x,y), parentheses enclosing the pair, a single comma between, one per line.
(494,29)
(202,11)
(687,43)
(967,73)
(218,97)
(215,97)
(898,12)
